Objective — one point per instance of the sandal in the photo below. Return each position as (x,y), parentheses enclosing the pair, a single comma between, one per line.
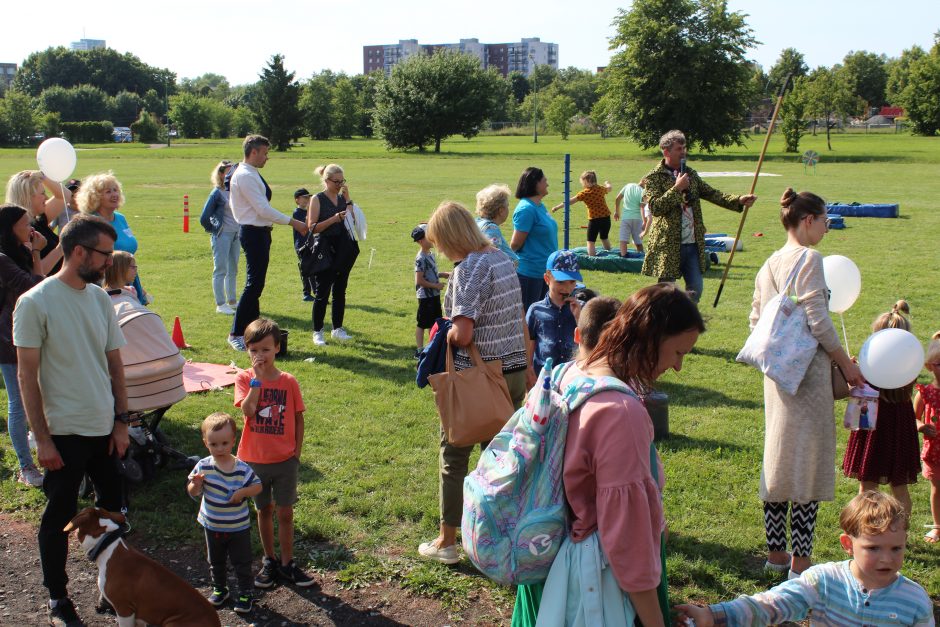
(932,536)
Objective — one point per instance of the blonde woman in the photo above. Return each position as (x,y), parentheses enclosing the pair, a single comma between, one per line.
(27,189)
(217,219)
(102,195)
(325,215)
(492,211)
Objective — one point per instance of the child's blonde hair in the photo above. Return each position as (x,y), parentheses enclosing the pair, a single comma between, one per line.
(933,349)
(589,177)
(894,319)
(116,273)
(871,513)
(216,422)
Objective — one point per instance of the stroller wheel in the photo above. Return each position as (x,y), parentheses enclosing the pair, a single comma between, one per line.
(131,470)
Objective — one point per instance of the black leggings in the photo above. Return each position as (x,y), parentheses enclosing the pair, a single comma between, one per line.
(333,280)
(802,526)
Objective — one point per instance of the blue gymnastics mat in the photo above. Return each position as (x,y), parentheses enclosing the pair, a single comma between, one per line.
(864,211)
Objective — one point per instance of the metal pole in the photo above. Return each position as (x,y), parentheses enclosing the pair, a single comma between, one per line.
(567,194)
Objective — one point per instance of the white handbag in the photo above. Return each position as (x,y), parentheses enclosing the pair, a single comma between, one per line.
(781,344)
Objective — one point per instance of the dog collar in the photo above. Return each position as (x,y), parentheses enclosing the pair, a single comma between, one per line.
(104,542)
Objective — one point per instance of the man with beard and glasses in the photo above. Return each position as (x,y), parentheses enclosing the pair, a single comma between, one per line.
(72,382)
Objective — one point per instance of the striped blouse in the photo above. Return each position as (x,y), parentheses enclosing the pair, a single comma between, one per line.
(485,288)
(830,595)
(215,512)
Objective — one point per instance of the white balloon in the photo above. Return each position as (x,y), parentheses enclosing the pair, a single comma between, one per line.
(843,280)
(891,358)
(56,158)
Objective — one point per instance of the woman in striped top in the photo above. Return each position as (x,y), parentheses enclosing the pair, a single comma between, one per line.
(484,303)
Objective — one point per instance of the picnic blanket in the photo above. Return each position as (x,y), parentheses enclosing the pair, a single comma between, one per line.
(202,377)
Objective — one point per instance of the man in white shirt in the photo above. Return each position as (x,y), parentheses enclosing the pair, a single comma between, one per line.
(250,199)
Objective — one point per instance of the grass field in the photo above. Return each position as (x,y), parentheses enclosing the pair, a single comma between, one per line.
(369,475)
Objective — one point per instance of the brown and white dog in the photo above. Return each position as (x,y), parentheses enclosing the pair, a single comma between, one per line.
(139,588)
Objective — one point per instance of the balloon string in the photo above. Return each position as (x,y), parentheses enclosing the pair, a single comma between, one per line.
(844,335)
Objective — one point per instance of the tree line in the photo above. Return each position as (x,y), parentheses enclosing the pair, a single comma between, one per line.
(678,64)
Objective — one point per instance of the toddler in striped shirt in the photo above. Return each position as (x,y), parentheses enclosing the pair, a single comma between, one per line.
(865,590)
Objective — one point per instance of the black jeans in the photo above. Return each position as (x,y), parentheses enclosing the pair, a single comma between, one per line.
(236,546)
(334,279)
(80,455)
(256,242)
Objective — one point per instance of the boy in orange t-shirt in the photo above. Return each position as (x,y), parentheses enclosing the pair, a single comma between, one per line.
(271,443)
(593,196)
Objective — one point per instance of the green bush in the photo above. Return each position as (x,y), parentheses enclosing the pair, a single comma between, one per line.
(88,132)
(145,129)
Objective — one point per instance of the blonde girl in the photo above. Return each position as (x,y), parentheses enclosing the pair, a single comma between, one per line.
(927,414)
(120,275)
(593,196)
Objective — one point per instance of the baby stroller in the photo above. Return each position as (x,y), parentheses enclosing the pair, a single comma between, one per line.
(153,375)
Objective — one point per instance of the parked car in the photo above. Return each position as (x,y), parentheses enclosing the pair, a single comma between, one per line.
(122,134)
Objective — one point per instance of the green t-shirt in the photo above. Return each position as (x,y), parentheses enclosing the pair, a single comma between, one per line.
(73,329)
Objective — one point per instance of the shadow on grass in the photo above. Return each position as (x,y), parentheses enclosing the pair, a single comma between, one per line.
(720,353)
(678,442)
(694,396)
(717,561)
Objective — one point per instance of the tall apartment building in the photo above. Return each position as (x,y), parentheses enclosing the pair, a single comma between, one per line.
(7,72)
(88,44)
(522,56)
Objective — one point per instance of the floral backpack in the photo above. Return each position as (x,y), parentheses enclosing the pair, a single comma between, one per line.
(515,516)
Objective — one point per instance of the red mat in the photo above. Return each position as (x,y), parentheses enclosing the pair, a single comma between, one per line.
(202,377)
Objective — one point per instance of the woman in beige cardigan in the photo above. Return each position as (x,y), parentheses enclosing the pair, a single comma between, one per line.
(800,438)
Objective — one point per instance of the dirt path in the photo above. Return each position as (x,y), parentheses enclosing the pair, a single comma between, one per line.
(22,597)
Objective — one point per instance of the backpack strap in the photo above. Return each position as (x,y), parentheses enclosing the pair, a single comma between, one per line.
(584,387)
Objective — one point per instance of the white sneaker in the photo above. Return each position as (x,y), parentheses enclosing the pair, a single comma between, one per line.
(340,334)
(318,339)
(30,475)
(444,555)
(225,308)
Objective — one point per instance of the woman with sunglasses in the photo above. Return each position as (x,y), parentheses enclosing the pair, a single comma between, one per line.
(217,219)
(798,467)
(325,217)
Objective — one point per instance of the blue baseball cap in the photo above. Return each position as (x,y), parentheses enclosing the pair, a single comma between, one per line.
(563,264)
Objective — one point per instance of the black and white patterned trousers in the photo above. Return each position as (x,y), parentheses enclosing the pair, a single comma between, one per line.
(802,526)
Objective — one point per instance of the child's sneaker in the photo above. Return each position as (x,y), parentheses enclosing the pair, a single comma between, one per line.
(218,596)
(295,575)
(268,573)
(243,603)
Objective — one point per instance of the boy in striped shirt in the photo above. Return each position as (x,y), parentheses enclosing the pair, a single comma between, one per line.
(225,484)
(866,590)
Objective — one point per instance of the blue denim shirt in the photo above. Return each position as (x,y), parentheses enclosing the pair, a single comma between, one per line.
(552,330)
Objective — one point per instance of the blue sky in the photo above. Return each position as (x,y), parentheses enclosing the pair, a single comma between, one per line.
(236,38)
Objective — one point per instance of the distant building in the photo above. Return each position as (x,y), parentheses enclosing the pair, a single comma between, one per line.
(88,44)
(7,72)
(522,56)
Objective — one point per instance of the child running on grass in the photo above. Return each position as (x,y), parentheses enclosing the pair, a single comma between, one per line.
(927,413)
(865,590)
(593,196)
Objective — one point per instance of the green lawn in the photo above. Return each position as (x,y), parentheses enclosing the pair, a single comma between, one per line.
(369,479)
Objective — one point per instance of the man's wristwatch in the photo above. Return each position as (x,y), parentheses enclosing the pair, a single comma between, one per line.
(254,383)
(122,417)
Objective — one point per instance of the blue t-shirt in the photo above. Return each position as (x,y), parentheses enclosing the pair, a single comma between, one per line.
(125,237)
(542,239)
(552,330)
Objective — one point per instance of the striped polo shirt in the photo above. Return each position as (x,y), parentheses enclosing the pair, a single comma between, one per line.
(215,512)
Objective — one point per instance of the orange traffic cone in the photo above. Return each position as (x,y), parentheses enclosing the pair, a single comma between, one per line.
(178,334)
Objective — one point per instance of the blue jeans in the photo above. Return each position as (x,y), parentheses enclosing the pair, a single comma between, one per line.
(256,242)
(16,415)
(225,250)
(691,269)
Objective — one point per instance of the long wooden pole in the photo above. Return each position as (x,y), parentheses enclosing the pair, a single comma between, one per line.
(760,162)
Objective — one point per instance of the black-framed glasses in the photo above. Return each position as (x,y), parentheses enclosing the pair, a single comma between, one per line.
(100,252)
(343,182)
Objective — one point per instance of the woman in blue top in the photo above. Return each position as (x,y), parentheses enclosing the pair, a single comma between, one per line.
(101,195)
(534,236)
(492,211)
(218,220)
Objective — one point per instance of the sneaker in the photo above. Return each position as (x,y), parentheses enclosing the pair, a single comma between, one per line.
(318,338)
(308,298)
(243,603)
(444,555)
(30,475)
(237,342)
(218,596)
(64,615)
(267,575)
(295,575)
(225,308)
(340,334)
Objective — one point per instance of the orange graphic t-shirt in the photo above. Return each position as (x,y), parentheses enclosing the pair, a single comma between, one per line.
(270,436)
(594,198)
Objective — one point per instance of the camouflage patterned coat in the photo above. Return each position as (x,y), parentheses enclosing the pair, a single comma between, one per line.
(665,231)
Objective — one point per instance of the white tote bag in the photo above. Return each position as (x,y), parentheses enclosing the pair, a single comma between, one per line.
(781,345)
